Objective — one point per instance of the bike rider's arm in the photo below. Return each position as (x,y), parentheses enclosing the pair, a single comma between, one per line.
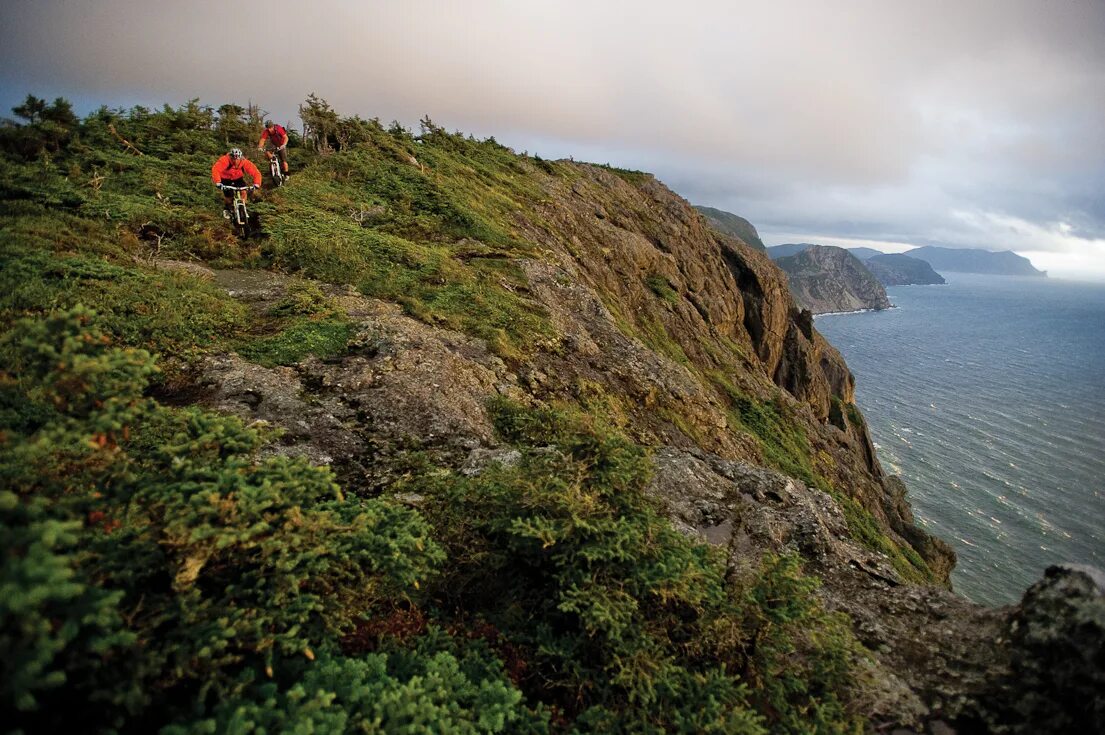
(249,168)
(264,137)
(217,170)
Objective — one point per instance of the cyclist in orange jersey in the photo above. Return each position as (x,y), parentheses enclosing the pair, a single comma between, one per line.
(231,170)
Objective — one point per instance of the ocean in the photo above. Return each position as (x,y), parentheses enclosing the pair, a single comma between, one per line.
(987,395)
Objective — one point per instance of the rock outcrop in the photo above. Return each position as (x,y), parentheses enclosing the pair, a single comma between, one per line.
(733,225)
(1056,640)
(827,279)
(938,663)
(896,269)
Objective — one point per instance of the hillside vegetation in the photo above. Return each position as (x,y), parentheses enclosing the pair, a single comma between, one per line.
(171,568)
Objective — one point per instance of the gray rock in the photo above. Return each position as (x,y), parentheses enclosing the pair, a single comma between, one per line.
(830,279)
(1057,641)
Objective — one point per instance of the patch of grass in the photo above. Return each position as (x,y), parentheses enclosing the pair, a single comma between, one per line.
(662,287)
(323,338)
(864,528)
(429,222)
(175,314)
(681,422)
(854,416)
(435,242)
(654,334)
(782,440)
(304,298)
(595,399)
(631,176)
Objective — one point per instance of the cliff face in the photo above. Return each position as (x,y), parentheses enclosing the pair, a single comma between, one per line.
(733,225)
(830,279)
(896,269)
(720,290)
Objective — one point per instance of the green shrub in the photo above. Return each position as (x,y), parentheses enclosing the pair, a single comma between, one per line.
(436,686)
(800,657)
(624,624)
(150,577)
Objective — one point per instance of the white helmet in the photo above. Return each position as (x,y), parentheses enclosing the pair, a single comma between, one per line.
(235,152)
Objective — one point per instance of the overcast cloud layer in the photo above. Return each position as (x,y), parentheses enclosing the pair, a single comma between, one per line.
(966,124)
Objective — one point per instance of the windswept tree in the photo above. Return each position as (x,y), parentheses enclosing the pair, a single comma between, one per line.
(45,127)
(320,123)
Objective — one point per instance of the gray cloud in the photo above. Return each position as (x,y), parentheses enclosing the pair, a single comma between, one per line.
(912,123)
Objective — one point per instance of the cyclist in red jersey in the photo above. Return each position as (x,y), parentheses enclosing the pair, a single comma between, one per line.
(231,170)
(278,136)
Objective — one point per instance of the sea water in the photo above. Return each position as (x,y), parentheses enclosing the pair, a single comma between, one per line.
(987,395)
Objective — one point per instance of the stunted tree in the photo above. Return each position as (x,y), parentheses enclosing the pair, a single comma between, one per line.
(31,110)
(320,123)
(47,127)
(35,111)
(233,123)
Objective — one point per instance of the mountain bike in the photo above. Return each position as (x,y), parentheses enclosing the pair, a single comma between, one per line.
(275,171)
(244,224)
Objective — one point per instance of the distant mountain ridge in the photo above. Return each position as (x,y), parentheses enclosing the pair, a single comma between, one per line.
(959,260)
(782,251)
(827,279)
(785,251)
(898,269)
(732,224)
(865,253)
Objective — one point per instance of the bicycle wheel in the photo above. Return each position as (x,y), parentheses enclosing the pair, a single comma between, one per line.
(241,221)
(275,172)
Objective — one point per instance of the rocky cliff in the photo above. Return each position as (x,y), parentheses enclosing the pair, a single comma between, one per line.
(733,225)
(896,269)
(830,279)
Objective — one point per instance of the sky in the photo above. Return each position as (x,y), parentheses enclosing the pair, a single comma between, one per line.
(966,123)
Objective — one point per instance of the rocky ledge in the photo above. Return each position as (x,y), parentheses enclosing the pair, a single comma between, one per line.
(938,663)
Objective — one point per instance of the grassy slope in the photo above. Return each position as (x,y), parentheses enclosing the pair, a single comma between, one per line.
(427,222)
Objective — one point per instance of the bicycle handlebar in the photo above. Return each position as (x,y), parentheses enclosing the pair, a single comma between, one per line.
(228,187)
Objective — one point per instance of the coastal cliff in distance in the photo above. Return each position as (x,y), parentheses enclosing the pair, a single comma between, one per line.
(961,260)
(897,269)
(827,279)
(733,225)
